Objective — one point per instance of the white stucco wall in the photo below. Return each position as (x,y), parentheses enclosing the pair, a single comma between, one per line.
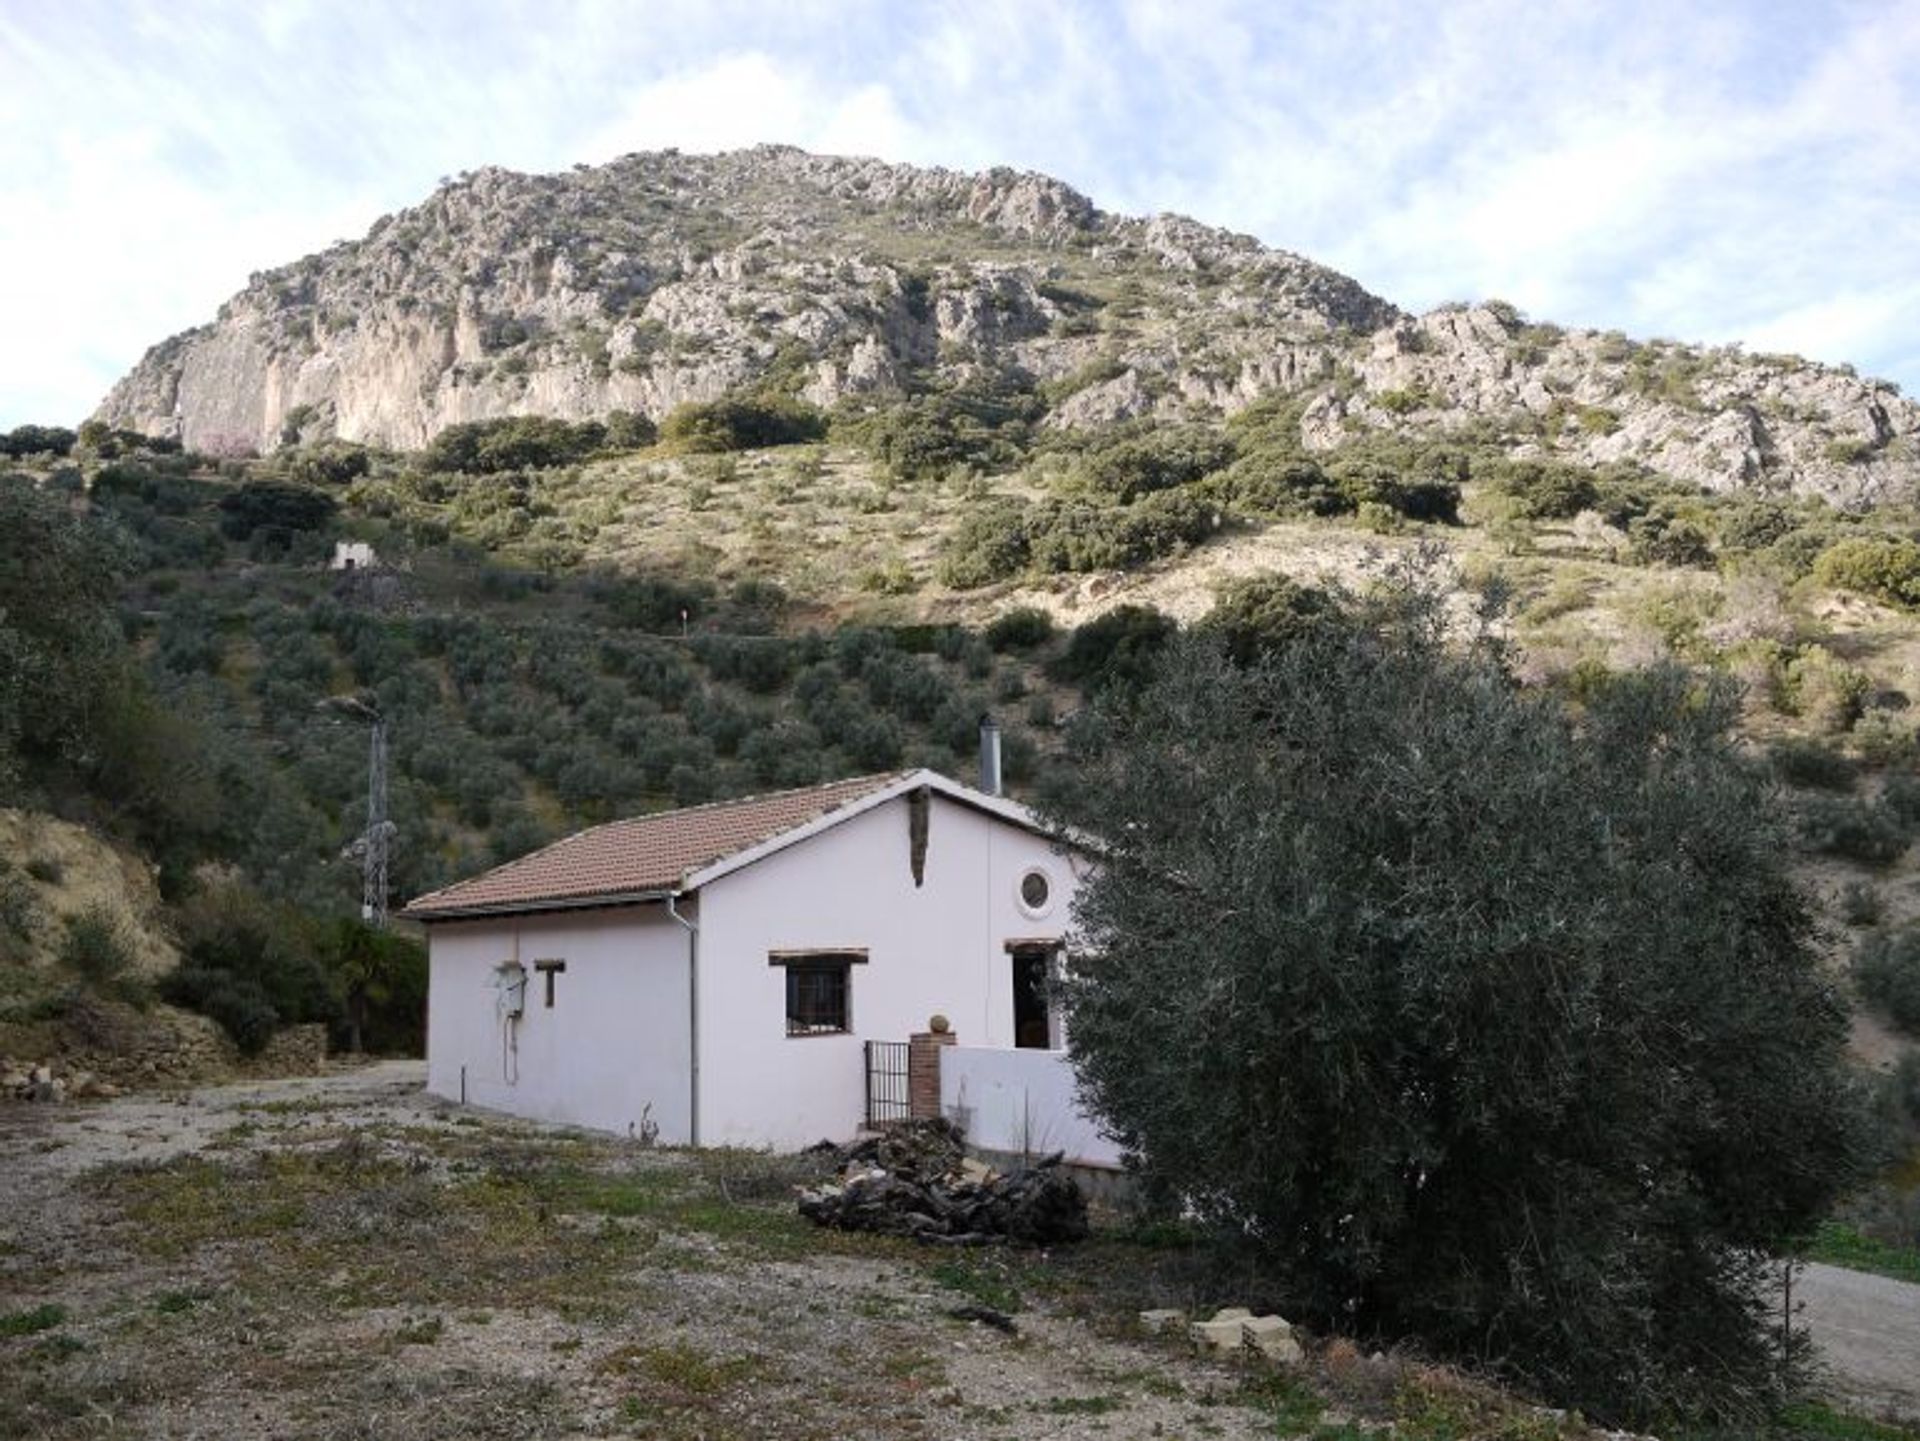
(615,1043)
(940,947)
(1025,1102)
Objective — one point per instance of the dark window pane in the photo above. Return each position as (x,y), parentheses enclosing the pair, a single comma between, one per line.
(816,998)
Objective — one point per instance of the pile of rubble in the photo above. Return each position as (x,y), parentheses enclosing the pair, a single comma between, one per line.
(915,1179)
(22,1082)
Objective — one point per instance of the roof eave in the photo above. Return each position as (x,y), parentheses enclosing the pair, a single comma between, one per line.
(600,900)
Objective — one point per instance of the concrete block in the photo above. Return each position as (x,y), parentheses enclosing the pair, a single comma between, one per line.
(1158,1323)
(1233,1313)
(1259,1329)
(1217,1335)
(1273,1338)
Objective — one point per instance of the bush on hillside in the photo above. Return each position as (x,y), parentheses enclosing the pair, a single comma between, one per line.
(986,425)
(1257,614)
(741,423)
(1544,489)
(1886,969)
(1887,569)
(1022,628)
(1852,829)
(25,440)
(1133,465)
(1117,649)
(518,442)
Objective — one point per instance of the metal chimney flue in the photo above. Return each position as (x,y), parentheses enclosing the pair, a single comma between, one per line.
(989,755)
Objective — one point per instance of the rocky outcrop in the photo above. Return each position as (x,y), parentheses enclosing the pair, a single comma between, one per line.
(664,278)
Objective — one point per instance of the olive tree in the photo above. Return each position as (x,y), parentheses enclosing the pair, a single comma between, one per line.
(1485,1022)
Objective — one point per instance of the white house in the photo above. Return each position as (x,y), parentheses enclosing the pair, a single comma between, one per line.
(712,975)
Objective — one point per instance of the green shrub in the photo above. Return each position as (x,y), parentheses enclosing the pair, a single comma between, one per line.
(1861,904)
(1366,481)
(741,423)
(275,507)
(1825,689)
(1884,568)
(238,1004)
(1544,489)
(1660,538)
(986,424)
(1809,764)
(1278,482)
(97,946)
(19,913)
(335,462)
(1853,830)
(1886,969)
(1021,628)
(1901,796)
(1754,525)
(1117,648)
(1257,614)
(1136,465)
(515,442)
(250,964)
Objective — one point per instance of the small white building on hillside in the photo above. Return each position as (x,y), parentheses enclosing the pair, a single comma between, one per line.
(714,975)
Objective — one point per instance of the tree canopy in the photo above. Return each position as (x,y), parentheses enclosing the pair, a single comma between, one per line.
(1485,1022)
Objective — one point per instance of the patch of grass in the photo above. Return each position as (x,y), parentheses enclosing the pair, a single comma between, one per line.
(1819,1422)
(174,1303)
(28,1323)
(977,1279)
(1432,1408)
(420,1331)
(1287,1401)
(1838,1244)
(682,1371)
(1081,1405)
(1808,1421)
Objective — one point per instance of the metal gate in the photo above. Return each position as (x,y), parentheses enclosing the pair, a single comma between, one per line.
(887,1083)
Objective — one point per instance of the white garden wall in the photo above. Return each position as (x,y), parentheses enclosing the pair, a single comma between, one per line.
(1023,1102)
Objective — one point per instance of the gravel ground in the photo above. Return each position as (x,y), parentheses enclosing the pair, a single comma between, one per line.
(1868,1329)
(343,1256)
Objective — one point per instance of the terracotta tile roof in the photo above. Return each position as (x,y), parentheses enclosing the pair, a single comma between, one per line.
(645,854)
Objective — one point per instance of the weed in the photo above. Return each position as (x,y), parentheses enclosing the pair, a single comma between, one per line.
(1838,1244)
(173,1303)
(1291,1404)
(1081,1405)
(28,1323)
(977,1280)
(420,1331)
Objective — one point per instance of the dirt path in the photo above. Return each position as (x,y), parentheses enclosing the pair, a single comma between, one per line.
(1868,1329)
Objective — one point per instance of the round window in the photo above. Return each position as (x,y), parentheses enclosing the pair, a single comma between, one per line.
(1035,891)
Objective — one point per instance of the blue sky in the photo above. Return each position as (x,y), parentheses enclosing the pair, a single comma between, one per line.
(1712,171)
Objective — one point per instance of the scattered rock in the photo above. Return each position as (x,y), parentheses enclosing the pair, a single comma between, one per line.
(1159,1323)
(986,1316)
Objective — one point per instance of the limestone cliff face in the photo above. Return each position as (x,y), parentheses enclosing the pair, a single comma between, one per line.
(665,278)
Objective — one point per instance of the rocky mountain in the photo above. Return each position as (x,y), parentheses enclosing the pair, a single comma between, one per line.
(665,278)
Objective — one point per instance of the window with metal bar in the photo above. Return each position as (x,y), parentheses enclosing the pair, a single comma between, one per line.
(818,994)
